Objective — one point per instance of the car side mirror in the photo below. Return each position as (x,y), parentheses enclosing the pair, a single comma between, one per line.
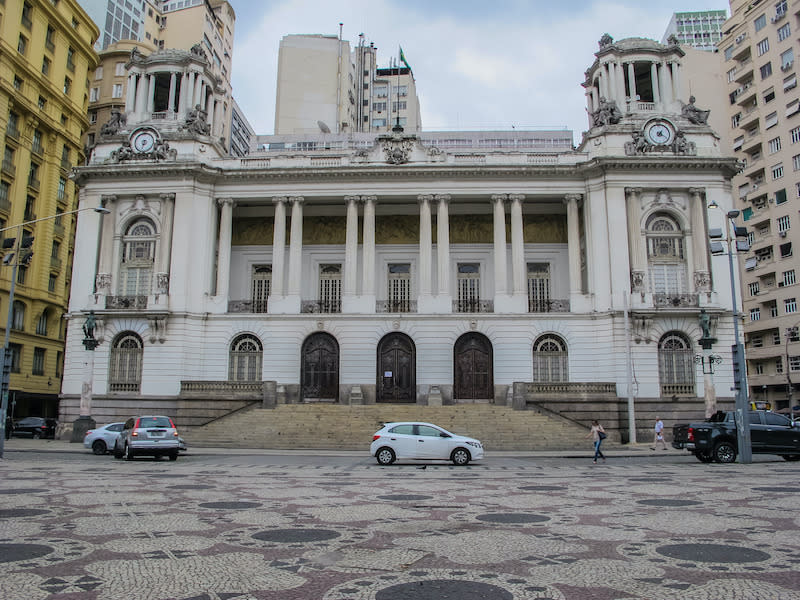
(444,435)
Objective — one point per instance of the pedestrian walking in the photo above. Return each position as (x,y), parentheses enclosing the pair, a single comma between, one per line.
(658,434)
(598,434)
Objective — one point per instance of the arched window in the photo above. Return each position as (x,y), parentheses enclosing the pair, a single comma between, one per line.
(666,259)
(138,259)
(245,359)
(18,319)
(550,359)
(676,365)
(125,363)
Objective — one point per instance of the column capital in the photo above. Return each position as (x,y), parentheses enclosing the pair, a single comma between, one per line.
(572,198)
(107,199)
(516,197)
(369,199)
(352,198)
(442,198)
(225,201)
(499,197)
(279,199)
(637,191)
(697,191)
(296,199)
(167,197)
(422,198)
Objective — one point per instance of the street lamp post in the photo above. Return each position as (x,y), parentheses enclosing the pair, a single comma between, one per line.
(740,380)
(792,335)
(15,263)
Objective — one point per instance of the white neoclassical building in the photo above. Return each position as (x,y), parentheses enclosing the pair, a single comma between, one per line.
(435,268)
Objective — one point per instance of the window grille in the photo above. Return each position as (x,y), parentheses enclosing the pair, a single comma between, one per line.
(125,364)
(138,258)
(550,360)
(676,365)
(245,359)
(469,287)
(399,288)
(330,288)
(665,249)
(538,287)
(262,284)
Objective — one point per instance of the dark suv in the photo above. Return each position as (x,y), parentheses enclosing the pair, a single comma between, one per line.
(35,427)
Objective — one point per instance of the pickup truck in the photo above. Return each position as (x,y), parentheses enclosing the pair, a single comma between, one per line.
(715,438)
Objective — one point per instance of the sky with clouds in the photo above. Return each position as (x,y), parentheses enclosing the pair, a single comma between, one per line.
(477,64)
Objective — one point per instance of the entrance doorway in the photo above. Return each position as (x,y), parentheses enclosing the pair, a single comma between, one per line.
(319,371)
(397,360)
(473,366)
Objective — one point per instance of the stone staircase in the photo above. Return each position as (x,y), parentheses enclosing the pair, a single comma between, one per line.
(350,427)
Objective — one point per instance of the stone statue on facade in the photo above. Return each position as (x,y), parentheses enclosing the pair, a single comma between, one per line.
(196,121)
(198,52)
(121,154)
(116,121)
(694,114)
(606,114)
(89,326)
(605,41)
(673,40)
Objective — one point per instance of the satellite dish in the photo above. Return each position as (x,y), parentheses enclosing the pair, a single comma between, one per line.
(323,128)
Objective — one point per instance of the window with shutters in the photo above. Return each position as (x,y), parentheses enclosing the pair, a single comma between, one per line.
(399,288)
(676,365)
(138,259)
(550,359)
(262,284)
(330,288)
(245,359)
(666,258)
(125,363)
(468,280)
(538,287)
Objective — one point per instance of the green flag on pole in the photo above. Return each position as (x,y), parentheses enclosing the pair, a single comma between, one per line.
(404,61)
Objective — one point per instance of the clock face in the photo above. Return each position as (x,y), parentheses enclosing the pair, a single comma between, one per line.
(143,141)
(659,133)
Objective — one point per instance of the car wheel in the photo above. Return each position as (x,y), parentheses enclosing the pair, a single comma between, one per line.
(704,457)
(128,452)
(99,447)
(460,457)
(173,456)
(790,457)
(117,452)
(36,435)
(385,456)
(724,452)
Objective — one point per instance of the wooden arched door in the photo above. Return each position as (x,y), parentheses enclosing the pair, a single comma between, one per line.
(473,368)
(397,366)
(319,371)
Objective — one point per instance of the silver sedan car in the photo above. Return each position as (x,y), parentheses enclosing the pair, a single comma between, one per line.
(102,439)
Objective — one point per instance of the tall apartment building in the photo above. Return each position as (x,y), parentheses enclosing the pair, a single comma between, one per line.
(45,56)
(152,26)
(758,49)
(323,86)
(699,29)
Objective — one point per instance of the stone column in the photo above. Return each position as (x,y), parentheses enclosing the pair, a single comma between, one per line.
(574,244)
(632,81)
(151,95)
(224,247)
(676,81)
(500,253)
(425,243)
(165,254)
(368,251)
(141,96)
(296,246)
(702,275)
(106,251)
(197,97)
(190,90)
(654,81)
(351,247)
(666,83)
(638,256)
(518,267)
(595,98)
(171,105)
(620,85)
(130,96)
(182,94)
(443,243)
(278,247)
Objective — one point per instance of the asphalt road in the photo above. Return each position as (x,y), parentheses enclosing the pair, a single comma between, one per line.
(256,525)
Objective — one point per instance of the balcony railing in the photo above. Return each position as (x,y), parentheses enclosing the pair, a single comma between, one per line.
(5,204)
(676,300)
(12,131)
(126,302)
(677,389)
(55,263)
(36,147)
(34,183)
(65,164)
(50,45)
(473,306)
(546,306)
(247,306)
(396,306)
(319,306)
(9,168)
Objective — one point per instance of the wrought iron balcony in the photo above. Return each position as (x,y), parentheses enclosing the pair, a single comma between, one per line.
(676,300)
(547,306)
(321,306)
(126,302)
(473,306)
(395,306)
(247,306)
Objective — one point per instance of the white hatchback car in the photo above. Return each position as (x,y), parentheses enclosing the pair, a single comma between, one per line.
(100,440)
(422,441)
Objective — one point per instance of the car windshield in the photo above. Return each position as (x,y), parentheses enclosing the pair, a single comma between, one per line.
(146,422)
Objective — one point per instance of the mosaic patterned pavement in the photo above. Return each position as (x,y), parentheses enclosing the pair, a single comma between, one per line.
(100,529)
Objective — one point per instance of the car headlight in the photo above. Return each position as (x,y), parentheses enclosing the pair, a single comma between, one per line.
(474,444)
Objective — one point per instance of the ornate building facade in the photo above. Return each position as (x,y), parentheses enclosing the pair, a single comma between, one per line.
(432,269)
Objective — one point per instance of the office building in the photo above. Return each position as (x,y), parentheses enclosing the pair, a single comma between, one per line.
(699,29)
(46,57)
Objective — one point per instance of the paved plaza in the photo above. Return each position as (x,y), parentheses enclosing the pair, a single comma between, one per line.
(245,526)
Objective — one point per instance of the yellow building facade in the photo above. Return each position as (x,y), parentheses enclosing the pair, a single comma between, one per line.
(46,55)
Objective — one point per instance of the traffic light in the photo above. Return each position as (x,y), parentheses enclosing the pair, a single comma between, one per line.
(737,372)
(25,251)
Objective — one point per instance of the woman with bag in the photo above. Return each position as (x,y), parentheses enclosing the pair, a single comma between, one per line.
(598,434)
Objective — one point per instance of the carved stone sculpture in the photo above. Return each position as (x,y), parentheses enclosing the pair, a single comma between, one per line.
(196,121)
(605,41)
(606,114)
(694,114)
(116,122)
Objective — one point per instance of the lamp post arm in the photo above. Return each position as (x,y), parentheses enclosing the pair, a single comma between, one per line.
(55,216)
(6,373)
